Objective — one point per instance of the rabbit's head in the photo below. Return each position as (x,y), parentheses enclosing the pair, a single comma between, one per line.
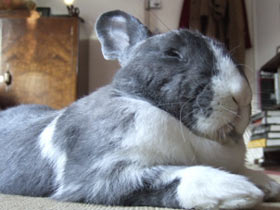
(188,75)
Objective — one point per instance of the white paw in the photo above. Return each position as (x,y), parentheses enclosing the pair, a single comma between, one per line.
(270,187)
(271,190)
(208,188)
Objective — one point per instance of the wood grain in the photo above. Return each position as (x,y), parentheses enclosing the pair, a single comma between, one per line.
(42,57)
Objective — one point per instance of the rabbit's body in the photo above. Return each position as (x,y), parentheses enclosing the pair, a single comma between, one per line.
(19,132)
(166,132)
(88,145)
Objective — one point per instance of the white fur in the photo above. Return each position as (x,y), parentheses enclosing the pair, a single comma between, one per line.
(157,137)
(268,185)
(119,31)
(232,97)
(208,188)
(163,139)
(52,152)
(229,84)
(229,81)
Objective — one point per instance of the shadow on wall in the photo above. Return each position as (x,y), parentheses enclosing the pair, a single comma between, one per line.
(83,67)
(101,71)
(7,101)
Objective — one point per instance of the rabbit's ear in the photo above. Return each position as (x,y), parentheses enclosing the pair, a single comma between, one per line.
(117,30)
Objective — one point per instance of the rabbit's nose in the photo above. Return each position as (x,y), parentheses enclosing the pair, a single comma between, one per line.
(240,90)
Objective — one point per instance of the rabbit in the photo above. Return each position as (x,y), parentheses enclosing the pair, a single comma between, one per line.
(166,132)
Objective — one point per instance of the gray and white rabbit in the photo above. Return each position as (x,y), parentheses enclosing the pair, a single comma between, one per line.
(166,132)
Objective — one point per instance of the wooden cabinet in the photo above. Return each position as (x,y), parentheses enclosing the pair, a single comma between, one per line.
(40,55)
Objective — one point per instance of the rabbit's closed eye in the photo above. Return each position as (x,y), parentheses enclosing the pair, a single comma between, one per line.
(173,53)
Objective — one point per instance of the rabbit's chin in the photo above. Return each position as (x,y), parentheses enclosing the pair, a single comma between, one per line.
(231,131)
(223,135)
(227,133)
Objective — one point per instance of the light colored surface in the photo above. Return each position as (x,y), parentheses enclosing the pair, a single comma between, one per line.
(8,202)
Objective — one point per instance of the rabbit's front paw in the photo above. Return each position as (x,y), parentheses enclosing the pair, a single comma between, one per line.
(269,186)
(271,190)
(209,188)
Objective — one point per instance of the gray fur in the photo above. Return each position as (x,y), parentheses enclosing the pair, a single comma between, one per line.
(112,38)
(19,173)
(156,70)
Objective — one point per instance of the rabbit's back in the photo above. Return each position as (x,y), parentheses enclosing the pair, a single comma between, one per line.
(23,170)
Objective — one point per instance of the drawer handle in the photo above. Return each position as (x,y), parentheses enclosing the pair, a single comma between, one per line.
(6,78)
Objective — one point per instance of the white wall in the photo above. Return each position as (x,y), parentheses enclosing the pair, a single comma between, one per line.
(267,30)
(249,66)
(166,18)
(91,9)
